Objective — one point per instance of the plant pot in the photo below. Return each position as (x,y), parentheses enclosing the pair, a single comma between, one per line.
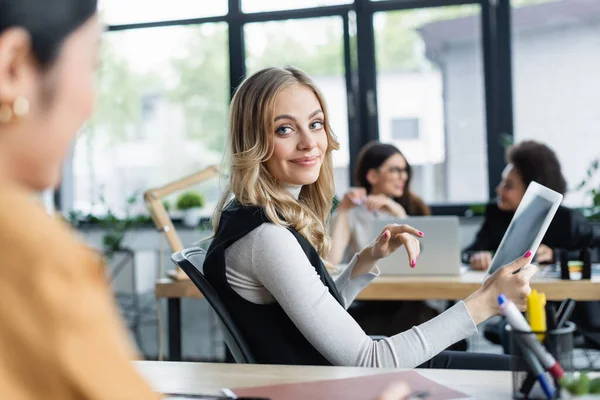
(192,216)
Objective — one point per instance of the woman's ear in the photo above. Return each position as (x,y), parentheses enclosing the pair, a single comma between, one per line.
(372,176)
(15,45)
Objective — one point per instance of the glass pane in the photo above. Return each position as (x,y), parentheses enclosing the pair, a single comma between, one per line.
(250,6)
(319,51)
(117,12)
(556,47)
(161,114)
(430,94)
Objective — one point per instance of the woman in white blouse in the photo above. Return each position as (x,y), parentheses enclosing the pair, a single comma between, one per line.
(265,260)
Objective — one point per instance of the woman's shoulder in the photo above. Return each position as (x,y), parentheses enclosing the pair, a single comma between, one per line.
(33,236)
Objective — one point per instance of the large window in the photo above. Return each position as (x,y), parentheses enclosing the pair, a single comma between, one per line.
(164,88)
(162,105)
(556,59)
(317,47)
(430,95)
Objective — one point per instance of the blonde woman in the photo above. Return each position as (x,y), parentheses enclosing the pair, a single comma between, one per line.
(266,259)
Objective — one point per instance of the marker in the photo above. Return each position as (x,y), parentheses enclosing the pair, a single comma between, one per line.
(519,323)
(537,370)
(536,313)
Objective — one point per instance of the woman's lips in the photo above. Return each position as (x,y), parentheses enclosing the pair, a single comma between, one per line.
(306,161)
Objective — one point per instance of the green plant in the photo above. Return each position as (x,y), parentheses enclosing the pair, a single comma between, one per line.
(591,188)
(580,384)
(115,227)
(190,200)
(166,205)
(477,209)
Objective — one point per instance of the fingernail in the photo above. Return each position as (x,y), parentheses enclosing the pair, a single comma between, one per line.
(527,254)
(421,233)
(413,263)
(386,234)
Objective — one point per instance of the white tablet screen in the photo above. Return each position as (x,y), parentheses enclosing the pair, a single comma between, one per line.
(523,232)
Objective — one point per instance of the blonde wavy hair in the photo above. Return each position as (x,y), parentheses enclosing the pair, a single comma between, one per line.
(251,144)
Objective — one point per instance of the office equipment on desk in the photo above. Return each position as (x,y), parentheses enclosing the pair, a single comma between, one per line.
(536,312)
(440,247)
(365,387)
(529,380)
(522,329)
(572,267)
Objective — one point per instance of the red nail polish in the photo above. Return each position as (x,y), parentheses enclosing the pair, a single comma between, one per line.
(420,233)
(527,254)
(413,263)
(386,234)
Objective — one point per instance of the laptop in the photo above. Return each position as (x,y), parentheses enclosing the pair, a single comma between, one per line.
(440,247)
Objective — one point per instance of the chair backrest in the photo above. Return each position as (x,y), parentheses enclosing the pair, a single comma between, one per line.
(191,261)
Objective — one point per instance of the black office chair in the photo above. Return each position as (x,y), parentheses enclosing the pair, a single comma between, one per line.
(191,261)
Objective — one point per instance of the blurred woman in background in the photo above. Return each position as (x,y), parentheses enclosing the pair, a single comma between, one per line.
(528,161)
(60,335)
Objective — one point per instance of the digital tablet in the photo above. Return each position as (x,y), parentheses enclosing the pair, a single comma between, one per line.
(528,226)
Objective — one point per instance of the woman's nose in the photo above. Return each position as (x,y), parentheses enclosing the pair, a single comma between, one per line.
(307,141)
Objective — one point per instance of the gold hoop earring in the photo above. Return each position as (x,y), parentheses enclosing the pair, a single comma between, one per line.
(21,107)
(6,113)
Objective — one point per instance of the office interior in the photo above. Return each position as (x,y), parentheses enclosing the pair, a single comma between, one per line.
(451,83)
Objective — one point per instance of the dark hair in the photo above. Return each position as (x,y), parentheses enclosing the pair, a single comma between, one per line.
(48,22)
(372,156)
(535,161)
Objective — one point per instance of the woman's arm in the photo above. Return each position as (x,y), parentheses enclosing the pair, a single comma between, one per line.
(281,266)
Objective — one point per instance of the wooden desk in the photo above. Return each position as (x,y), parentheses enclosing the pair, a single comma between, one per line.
(391,288)
(208,378)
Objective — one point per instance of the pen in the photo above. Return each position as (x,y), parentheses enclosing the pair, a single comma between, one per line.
(564,312)
(551,316)
(519,324)
(537,370)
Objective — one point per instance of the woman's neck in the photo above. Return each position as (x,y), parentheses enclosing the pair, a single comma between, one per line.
(294,190)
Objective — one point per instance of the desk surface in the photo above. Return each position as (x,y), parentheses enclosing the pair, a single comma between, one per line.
(209,378)
(426,287)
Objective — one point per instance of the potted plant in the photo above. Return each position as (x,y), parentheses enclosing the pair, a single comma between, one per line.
(191,203)
(591,189)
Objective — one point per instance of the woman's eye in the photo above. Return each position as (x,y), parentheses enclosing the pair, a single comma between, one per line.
(316,125)
(284,130)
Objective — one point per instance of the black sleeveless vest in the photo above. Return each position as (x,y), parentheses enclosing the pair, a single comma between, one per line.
(270,333)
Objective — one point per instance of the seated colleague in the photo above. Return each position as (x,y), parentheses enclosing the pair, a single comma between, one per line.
(265,260)
(528,161)
(60,335)
(383,176)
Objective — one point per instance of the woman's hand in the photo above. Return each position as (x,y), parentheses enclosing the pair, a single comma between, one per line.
(544,255)
(481,260)
(381,202)
(512,280)
(352,198)
(392,237)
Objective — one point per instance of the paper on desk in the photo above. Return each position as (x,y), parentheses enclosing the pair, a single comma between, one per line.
(360,388)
